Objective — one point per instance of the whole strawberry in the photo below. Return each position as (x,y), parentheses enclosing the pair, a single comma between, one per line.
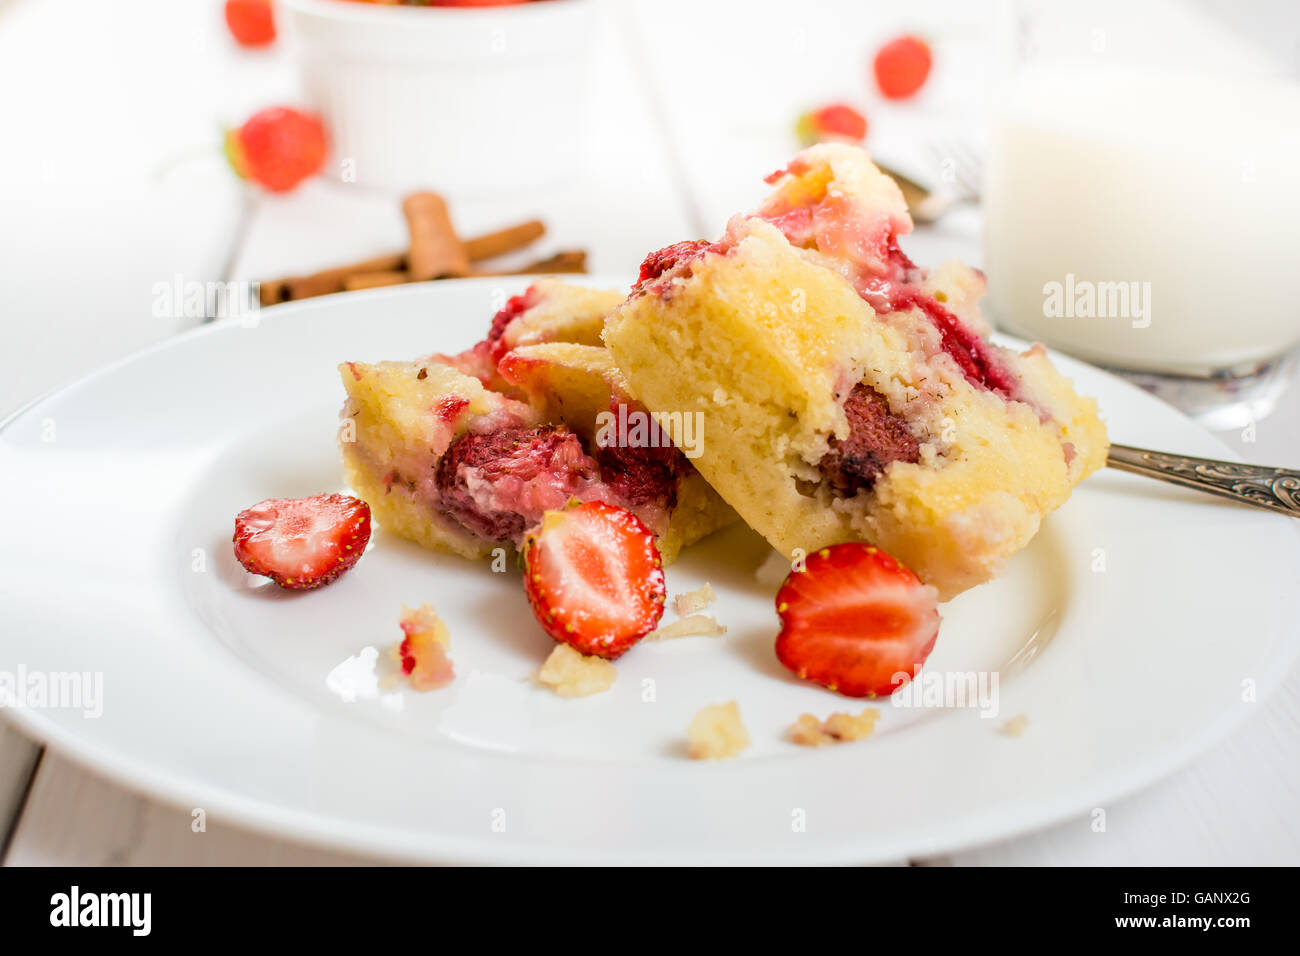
(901,67)
(251,22)
(594,578)
(837,122)
(302,543)
(855,620)
(278,148)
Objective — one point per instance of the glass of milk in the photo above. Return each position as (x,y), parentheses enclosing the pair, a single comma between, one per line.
(1142,201)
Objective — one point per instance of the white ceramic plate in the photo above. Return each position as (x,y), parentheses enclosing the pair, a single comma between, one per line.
(1124,633)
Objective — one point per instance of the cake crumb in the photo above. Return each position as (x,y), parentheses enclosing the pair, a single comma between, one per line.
(694,601)
(697,625)
(571,674)
(423,650)
(808,731)
(1015,726)
(716,733)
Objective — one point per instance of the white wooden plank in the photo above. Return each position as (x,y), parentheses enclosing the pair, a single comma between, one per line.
(18,757)
(111,179)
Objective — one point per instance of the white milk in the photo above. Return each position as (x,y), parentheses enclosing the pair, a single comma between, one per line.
(1147,221)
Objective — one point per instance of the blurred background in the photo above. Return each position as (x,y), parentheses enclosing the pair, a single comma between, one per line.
(623,125)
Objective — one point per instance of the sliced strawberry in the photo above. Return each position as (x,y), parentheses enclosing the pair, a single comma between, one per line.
(594,578)
(302,543)
(856,620)
(424,649)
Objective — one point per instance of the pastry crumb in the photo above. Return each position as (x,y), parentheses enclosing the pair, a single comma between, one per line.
(571,674)
(694,601)
(697,625)
(1015,726)
(808,731)
(423,650)
(716,733)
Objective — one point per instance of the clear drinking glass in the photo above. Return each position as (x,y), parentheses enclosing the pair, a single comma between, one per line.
(1142,199)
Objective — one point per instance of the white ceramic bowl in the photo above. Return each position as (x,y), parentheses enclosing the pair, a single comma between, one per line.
(469,99)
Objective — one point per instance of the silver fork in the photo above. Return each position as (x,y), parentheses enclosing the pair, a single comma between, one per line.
(1260,486)
(960,166)
(958,172)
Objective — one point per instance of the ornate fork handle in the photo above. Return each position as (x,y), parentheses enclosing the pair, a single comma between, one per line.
(1274,489)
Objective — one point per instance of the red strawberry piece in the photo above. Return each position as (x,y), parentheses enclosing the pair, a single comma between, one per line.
(302,543)
(670,257)
(838,121)
(594,578)
(278,148)
(251,22)
(855,620)
(495,345)
(901,67)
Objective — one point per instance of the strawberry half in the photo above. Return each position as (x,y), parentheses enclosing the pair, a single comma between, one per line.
(855,620)
(302,543)
(594,578)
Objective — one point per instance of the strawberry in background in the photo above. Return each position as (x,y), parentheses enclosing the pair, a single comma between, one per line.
(251,22)
(902,66)
(837,122)
(278,148)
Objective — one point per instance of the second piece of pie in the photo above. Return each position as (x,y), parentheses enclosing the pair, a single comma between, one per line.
(847,394)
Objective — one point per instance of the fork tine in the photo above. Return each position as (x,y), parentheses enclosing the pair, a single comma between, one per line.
(947,167)
(959,167)
(970,166)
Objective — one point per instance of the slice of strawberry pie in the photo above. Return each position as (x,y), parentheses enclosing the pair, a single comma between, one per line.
(455,465)
(847,394)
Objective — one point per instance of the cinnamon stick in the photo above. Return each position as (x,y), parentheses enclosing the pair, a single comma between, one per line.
(487,246)
(569,261)
(436,251)
(375,280)
(493,244)
(325,281)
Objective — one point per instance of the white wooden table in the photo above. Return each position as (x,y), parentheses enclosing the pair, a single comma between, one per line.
(111,181)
